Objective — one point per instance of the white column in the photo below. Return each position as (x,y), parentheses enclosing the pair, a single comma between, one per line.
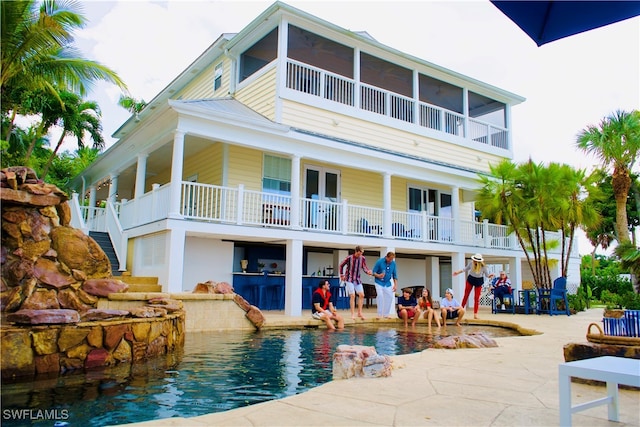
(293,279)
(455,213)
(113,188)
(141,172)
(458,282)
(416,97)
(465,111)
(281,70)
(515,273)
(92,196)
(433,277)
(175,260)
(176,174)
(295,192)
(386,201)
(356,77)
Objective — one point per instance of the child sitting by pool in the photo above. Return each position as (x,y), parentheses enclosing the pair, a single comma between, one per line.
(408,307)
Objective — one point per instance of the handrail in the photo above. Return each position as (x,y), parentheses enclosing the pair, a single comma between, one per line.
(77,220)
(117,236)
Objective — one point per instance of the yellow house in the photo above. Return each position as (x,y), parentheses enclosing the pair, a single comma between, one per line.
(282,147)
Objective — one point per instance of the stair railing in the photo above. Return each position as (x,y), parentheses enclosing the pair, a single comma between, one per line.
(77,220)
(117,236)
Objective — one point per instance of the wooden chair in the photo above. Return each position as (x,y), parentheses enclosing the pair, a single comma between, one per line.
(369,294)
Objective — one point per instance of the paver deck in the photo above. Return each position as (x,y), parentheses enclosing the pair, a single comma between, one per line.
(515,384)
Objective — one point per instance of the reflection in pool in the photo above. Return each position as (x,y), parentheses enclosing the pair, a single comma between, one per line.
(215,372)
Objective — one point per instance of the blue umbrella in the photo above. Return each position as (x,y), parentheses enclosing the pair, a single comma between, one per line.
(546,21)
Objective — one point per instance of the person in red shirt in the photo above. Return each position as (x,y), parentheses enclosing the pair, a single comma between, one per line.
(322,308)
(426,306)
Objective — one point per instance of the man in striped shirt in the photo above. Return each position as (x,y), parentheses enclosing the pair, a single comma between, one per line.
(354,263)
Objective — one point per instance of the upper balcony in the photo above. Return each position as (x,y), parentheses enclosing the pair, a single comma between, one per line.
(333,87)
(357,72)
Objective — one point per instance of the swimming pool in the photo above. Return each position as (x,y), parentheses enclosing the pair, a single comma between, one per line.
(214,372)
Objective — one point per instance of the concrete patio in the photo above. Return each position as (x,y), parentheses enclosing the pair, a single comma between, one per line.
(515,384)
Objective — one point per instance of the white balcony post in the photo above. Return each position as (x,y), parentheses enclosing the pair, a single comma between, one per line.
(455,213)
(356,78)
(154,203)
(386,200)
(485,233)
(424,225)
(345,216)
(141,172)
(113,188)
(240,204)
(92,203)
(515,272)
(176,174)
(465,110)
(416,98)
(295,193)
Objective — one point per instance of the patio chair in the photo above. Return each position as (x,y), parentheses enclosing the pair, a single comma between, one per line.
(548,298)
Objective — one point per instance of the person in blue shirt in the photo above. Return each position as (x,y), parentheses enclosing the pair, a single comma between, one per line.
(386,276)
(408,307)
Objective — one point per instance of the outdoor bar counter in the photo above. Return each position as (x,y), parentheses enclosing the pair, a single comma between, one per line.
(266,290)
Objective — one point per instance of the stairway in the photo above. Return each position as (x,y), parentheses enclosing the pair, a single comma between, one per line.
(103,239)
(141,283)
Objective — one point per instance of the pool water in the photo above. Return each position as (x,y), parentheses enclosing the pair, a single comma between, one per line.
(214,372)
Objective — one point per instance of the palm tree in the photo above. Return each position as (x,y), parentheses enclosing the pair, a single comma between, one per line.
(533,199)
(616,141)
(79,117)
(36,53)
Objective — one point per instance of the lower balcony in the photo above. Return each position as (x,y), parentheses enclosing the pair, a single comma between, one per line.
(238,206)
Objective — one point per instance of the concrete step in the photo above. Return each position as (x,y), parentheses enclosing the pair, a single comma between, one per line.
(144,287)
(142,280)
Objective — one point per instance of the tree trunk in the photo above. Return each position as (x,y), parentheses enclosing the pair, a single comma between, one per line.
(52,156)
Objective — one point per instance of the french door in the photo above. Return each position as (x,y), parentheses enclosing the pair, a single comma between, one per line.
(321,193)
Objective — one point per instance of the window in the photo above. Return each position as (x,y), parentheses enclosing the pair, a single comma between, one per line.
(259,55)
(217,77)
(276,176)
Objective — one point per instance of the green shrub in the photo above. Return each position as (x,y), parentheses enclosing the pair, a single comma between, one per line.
(630,301)
(576,302)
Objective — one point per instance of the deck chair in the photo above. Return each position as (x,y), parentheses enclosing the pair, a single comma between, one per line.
(548,298)
(509,302)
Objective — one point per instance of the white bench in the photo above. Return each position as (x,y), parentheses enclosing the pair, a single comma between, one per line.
(609,369)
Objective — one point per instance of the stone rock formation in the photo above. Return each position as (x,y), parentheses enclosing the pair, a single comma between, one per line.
(359,361)
(46,265)
(474,340)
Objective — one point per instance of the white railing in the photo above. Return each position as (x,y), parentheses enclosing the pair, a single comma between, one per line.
(236,205)
(205,202)
(149,207)
(318,82)
(321,215)
(364,220)
(487,133)
(94,218)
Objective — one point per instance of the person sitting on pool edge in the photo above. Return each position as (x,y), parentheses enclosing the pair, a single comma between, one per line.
(451,308)
(426,306)
(408,307)
(322,308)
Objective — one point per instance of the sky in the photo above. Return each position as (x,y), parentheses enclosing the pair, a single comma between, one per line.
(568,84)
